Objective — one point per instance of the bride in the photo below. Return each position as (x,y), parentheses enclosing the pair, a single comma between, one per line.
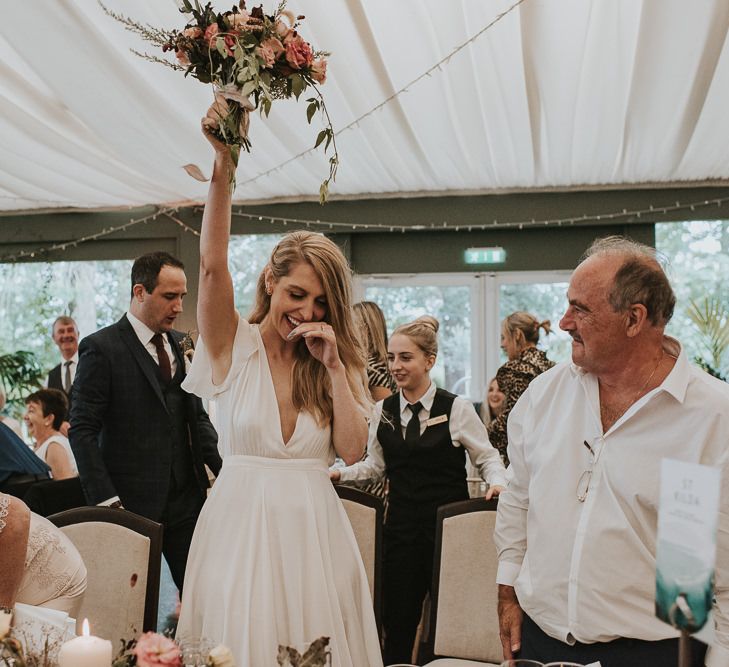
(274,559)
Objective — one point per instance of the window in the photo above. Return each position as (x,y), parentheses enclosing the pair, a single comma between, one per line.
(470,308)
(32,295)
(698,268)
(247,255)
(403,300)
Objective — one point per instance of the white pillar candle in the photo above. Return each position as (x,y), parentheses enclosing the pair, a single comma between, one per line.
(85,651)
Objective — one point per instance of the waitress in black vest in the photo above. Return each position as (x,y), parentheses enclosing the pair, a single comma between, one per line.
(418,438)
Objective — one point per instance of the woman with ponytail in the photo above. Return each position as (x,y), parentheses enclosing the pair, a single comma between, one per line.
(419,437)
(519,338)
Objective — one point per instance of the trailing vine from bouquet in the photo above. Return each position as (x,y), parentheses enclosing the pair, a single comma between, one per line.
(397,93)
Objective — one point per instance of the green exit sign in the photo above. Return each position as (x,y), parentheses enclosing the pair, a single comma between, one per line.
(485,256)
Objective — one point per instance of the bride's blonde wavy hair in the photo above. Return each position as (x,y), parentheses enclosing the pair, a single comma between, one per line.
(311,387)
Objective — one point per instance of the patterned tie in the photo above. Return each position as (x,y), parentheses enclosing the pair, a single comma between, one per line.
(412,432)
(67,376)
(164,360)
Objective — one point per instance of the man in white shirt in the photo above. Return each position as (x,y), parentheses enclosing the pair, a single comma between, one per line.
(61,377)
(576,527)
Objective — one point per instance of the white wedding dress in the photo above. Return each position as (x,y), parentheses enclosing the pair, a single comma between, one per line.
(273,559)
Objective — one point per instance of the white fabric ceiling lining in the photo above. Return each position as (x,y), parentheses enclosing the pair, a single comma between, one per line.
(559,94)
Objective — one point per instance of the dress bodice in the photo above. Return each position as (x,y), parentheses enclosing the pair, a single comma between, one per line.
(245,406)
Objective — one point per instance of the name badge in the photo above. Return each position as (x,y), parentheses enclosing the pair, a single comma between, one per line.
(436,420)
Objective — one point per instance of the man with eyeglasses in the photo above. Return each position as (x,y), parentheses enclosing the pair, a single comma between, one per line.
(576,527)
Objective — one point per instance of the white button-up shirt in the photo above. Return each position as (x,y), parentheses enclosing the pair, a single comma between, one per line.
(466,430)
(145,335)
(586,571)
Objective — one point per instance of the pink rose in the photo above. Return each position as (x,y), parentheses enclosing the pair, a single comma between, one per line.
(211,31)
(298,53)
(192,33)
(269,50)
(153,650)
(319,70)
(230,43)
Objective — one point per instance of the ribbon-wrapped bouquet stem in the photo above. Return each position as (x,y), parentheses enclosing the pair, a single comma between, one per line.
(251,59)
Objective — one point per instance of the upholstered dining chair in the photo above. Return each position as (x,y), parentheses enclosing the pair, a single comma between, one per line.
(366,514)
(464,625)
(123,554)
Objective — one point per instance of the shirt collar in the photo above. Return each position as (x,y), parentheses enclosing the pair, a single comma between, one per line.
(676,382)
(73,359)
(426,400)
(144,333)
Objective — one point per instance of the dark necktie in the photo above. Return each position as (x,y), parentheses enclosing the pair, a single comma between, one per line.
(412,432)
(164,360)
(67,377)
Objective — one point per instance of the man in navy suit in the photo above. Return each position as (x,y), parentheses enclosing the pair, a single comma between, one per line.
(140,441)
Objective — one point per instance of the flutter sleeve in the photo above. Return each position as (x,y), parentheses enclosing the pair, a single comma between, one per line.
(199,380)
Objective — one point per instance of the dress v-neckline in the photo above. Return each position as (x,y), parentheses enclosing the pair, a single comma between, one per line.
(285,443)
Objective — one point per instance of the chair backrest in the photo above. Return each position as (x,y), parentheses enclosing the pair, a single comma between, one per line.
(53,496)
(366,514)
(123,553)
(464,622)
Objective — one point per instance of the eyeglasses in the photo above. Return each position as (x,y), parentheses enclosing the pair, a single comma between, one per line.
(583,483)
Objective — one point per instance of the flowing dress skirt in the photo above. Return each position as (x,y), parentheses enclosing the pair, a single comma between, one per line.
(274,561)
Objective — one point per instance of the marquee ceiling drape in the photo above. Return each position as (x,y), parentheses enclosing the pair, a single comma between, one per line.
(557,94)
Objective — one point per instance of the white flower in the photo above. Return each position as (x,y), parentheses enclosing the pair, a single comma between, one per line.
(5,618)
(221,656)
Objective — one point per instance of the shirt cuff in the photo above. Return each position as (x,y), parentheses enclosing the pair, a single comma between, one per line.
(345,475)
(717,656)
(507,573)
(109,501)
(498,480)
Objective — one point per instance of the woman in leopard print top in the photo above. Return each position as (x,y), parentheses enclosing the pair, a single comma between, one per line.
(519,338)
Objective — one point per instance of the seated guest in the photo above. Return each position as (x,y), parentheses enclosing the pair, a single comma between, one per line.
(45,413)
(39,564)
(519,338)
(18,464)
(11,423)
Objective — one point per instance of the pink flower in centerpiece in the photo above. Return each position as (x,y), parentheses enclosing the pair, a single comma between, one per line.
(298,52)
(269,50)
(319,70)
(153,650)
(211,31)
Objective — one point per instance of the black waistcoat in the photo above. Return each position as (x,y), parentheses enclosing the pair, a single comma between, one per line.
(427,475)
(176,401)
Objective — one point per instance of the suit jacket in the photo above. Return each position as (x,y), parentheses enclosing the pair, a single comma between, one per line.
(55,381)
(120,425)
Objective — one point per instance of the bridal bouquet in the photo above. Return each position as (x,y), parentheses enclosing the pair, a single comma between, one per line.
(250,58)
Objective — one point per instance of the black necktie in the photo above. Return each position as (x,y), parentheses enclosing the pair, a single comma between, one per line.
(67,377)
(164,360)
(412,432)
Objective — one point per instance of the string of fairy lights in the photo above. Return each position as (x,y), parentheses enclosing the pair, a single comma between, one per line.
(587,219)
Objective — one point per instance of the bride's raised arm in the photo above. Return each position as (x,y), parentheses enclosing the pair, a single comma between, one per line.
(216,315)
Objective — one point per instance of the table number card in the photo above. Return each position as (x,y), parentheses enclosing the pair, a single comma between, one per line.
(686,547)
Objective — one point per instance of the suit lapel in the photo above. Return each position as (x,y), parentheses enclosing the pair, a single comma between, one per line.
(141,356)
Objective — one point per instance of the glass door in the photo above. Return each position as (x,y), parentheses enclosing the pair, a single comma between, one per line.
(451,299)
